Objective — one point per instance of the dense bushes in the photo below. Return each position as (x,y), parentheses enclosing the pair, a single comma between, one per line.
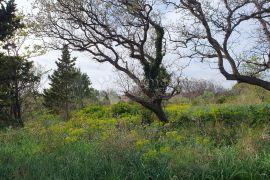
(125,108)
(95,111)
(221,123)
(229,115)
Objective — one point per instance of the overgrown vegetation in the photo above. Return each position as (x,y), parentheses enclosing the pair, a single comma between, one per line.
(204,132)
(109,142)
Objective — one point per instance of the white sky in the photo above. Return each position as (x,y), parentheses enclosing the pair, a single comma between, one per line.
(102,75)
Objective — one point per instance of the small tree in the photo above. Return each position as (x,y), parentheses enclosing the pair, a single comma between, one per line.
(60,97)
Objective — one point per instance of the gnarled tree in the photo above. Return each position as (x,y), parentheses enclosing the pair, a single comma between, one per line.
(126,34)
(233,33)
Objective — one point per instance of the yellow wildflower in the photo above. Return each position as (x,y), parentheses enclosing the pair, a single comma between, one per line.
(165,150)
(174,135)
(150,154)
(202,140)
(140,143)
(70,139)
(76,132)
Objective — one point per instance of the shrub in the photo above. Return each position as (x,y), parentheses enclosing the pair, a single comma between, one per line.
(121,108)
(230,115)
(95,111)
(147,117)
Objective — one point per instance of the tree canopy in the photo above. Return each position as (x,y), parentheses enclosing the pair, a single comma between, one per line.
(9,21)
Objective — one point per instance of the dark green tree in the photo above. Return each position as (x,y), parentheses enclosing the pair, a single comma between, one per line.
(70,88)
(9,22)
(60,96)
(16,73)
(16,78)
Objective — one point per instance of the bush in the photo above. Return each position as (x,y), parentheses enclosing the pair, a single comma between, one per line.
(229,115)
(95,111)
(147,117)
(121,108)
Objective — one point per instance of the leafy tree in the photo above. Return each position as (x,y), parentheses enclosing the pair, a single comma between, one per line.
(9,22)
(16,78)
(22,43)
(81,88)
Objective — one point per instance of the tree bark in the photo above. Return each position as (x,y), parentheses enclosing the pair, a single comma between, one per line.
(66,113)
(17,105)
(155,107)
(159,112)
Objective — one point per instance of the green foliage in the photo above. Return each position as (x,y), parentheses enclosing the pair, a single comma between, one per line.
(243,93)
(121,108)
(9,22)
(209,144)
(82,91)
(221,123)
(228,114)
(69,87)
(17,78)
(96,112)
(221,100)
(147,116)
(59,97)
(130,110)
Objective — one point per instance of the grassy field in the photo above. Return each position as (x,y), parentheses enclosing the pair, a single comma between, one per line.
(109,142)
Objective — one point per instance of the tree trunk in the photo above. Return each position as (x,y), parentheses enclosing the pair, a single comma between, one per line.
(18,115)
(155,107)
(66,113)
(159,112)
(81,101)
(66,103)
(17,106)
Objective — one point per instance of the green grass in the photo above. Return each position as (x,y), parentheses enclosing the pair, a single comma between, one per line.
(215,142)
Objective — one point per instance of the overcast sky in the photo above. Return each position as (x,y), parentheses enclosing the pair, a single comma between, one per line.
(103,76)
